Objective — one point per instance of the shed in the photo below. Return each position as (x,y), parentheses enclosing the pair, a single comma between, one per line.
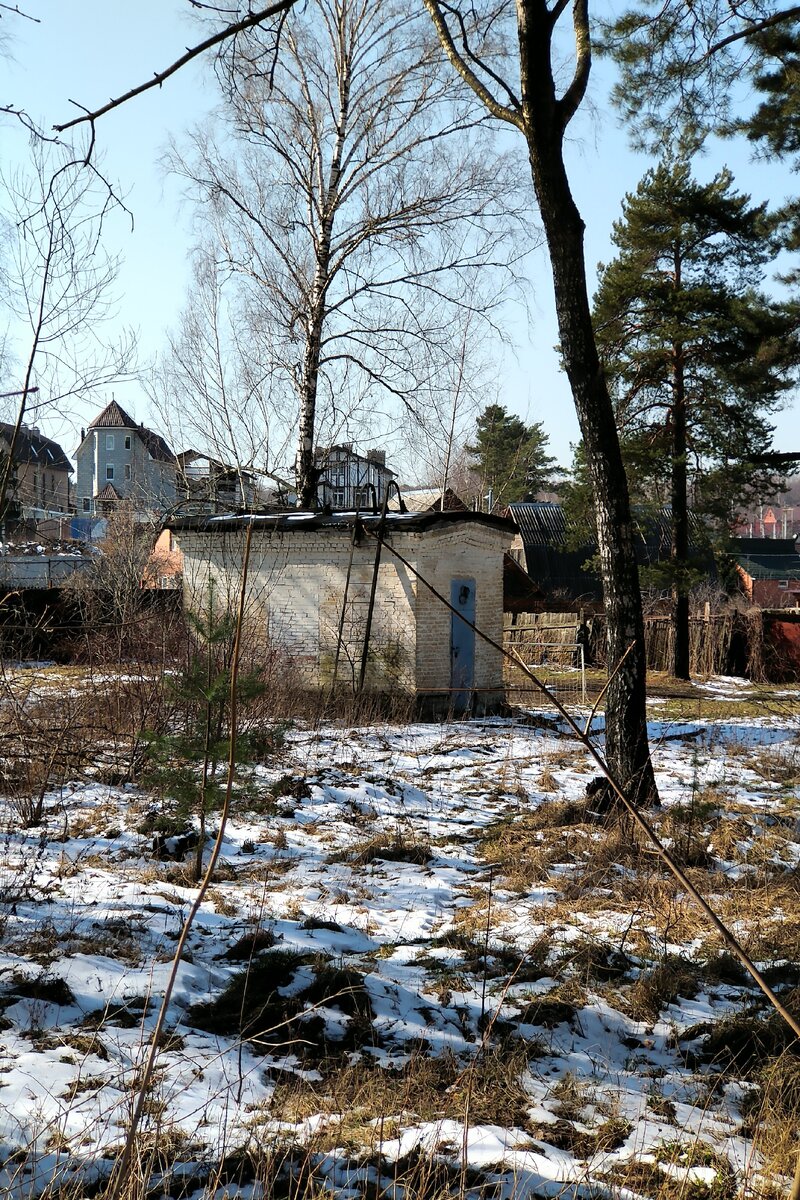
(309,582)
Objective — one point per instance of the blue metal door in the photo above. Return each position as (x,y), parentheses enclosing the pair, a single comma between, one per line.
(462,643)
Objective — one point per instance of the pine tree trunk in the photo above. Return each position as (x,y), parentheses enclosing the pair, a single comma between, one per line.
(626,724)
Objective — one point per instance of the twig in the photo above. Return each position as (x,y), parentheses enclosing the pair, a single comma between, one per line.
(605,688)
(159,77)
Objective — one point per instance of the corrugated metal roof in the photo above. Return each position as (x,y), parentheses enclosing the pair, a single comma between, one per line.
(541,523)
(768,558)
(772,566)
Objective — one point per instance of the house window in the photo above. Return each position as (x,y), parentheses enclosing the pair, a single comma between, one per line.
(127,470)
(109,441)
(783,584)
(127,441)
(109,470)
(87,504)
(338,499)
(362,498)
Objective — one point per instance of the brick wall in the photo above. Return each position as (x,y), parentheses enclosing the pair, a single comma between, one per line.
(296,585)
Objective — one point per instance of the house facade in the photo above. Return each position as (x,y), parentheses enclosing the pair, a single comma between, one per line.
(120,460)
(309,582)
(40,478)
(204,484)
(769,571)
(349,480)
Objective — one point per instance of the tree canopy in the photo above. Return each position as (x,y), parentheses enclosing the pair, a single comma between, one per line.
(510,457)
(697,355)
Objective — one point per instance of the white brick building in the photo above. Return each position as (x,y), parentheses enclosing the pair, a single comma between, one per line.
(298,589)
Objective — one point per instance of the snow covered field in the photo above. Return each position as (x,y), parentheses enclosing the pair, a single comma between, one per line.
(424,966)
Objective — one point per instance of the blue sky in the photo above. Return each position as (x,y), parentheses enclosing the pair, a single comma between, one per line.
(89,50)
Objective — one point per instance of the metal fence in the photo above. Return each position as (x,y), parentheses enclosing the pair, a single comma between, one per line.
(550,645)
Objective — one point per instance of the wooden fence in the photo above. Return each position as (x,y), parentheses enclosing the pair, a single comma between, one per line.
(721,643)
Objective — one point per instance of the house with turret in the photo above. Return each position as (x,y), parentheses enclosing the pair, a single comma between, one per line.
(119,460)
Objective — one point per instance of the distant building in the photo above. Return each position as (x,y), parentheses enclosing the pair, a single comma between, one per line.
(429,500)
(349,480)
(118,460)
(40,483)
(204,484)
(769,570)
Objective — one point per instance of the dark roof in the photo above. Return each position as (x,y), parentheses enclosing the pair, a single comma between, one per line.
(114,416)
(298,521)
(328,455)
(32,447)
(768,558)
(543,529)
(557,570)
(765,546)
(541,523)
(520,592)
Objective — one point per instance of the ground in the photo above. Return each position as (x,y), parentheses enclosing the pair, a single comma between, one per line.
(426,966)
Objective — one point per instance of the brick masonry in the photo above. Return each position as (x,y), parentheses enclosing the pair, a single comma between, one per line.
(296,585)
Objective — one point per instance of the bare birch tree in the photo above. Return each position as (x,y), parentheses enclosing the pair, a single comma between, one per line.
(57,288)
(353,194)
(211,388)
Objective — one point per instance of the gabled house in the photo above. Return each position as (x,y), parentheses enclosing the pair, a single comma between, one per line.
(40,483)
(349,480)
(204,484)
(118,460)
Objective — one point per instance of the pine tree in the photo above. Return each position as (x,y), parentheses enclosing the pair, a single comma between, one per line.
(510,457)
(696,354)
(187,764)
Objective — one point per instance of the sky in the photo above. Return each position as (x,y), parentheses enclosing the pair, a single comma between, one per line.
(89,50)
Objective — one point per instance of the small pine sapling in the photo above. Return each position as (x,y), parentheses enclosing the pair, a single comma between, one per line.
(188,764)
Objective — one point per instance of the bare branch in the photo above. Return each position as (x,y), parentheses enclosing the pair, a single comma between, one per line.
(752,29)
(17,12)
(571,100)
(248,22)
(498,110)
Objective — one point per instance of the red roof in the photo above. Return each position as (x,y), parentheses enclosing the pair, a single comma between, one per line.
(113,416)
(109,492)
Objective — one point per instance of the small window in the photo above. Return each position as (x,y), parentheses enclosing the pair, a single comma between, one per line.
(783,584)
(338,499)
(87,504)
(127,470)
(109,441)
(109,470)
(127,441)
(362,498)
